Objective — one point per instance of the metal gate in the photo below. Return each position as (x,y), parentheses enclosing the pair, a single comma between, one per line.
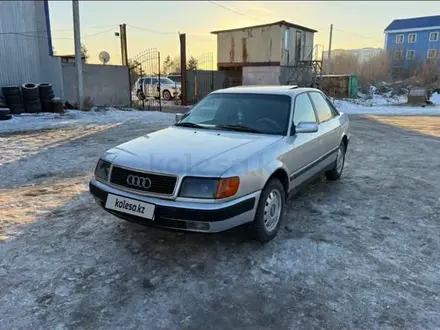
(200,77)
(145,80)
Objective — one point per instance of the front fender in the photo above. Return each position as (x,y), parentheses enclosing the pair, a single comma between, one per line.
(256,170)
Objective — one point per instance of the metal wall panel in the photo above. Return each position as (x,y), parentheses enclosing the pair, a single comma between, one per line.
(24,46)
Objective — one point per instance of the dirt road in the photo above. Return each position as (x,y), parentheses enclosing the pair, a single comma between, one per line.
(358,253)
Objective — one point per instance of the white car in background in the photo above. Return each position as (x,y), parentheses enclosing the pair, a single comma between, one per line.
(148,87)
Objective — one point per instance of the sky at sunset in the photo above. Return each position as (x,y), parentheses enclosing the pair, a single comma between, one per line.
(155,24)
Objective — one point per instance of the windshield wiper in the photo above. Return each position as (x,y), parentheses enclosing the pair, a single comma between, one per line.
(189,124)
(239,128)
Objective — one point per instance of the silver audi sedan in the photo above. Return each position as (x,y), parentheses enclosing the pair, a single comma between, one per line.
(233,159)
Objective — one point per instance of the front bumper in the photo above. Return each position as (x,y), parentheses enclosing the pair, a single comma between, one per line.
(189,216)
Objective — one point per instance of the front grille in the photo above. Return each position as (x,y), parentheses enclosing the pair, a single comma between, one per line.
(160,184)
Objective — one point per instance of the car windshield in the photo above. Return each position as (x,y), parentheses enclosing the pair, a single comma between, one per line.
(257,113)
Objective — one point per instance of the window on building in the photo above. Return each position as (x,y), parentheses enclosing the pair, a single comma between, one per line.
(398,54)
(432,53)
(399,39)
(286,38)
(412,37)
(410,54)
(433,36)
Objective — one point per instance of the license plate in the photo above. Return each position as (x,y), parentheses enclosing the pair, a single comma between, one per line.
(130,206)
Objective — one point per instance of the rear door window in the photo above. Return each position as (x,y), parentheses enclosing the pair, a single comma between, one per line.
(322,108)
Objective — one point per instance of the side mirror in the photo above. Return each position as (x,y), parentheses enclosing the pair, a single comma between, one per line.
(306,127)
(178,117)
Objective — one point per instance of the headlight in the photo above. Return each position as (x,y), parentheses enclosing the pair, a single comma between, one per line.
(209,188)
(102,170)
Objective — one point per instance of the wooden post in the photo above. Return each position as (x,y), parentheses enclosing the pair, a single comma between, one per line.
(183,68)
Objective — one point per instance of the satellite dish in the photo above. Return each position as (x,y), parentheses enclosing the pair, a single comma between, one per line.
(104,57)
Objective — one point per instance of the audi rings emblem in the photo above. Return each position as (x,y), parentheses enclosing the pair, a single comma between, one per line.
(137,181)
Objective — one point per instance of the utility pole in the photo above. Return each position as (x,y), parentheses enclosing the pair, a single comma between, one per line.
(329,58)
(182,38)
(78,55)
(123,37)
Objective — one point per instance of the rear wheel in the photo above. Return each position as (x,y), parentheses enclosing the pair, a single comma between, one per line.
(166,95)
(270,211)
(336,172)
(140,95)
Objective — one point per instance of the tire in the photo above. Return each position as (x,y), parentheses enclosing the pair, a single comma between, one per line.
(46,106)
(32,106)
(11,91)
(30,92)
(14,99)
(46,92)
(5,117)
(4,111)
(166,95)
(47,97)
(262,230)
(336,172)
(16,109)
(57,106)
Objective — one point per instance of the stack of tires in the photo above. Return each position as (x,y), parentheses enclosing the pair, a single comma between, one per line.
(46,97)
(31,98)
(13,99)
(5,114)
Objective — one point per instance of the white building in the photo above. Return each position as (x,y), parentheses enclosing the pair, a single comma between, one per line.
(362,54)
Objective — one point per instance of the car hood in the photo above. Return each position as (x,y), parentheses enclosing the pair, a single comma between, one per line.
(185,151)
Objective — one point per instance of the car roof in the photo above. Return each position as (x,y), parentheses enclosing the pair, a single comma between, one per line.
(277,90)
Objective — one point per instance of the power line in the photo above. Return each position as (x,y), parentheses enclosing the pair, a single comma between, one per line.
(98,33)
(66,29)
(24,34)
(358,35)
(151,31)
(27,34)
(237,12)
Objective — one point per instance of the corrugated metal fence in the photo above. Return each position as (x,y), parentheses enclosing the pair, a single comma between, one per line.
(24,46)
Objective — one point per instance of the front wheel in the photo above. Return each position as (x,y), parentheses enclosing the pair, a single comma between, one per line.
(270,211)
(336,172)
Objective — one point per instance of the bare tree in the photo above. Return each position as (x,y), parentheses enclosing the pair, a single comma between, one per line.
(428,74)
(375,69)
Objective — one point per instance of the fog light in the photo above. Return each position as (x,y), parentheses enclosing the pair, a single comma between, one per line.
(203,226)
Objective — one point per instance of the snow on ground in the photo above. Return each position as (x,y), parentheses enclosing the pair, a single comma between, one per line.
(383,105)
(355,253)
(375,100)
(435,98)
(356,109)
(32,122)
